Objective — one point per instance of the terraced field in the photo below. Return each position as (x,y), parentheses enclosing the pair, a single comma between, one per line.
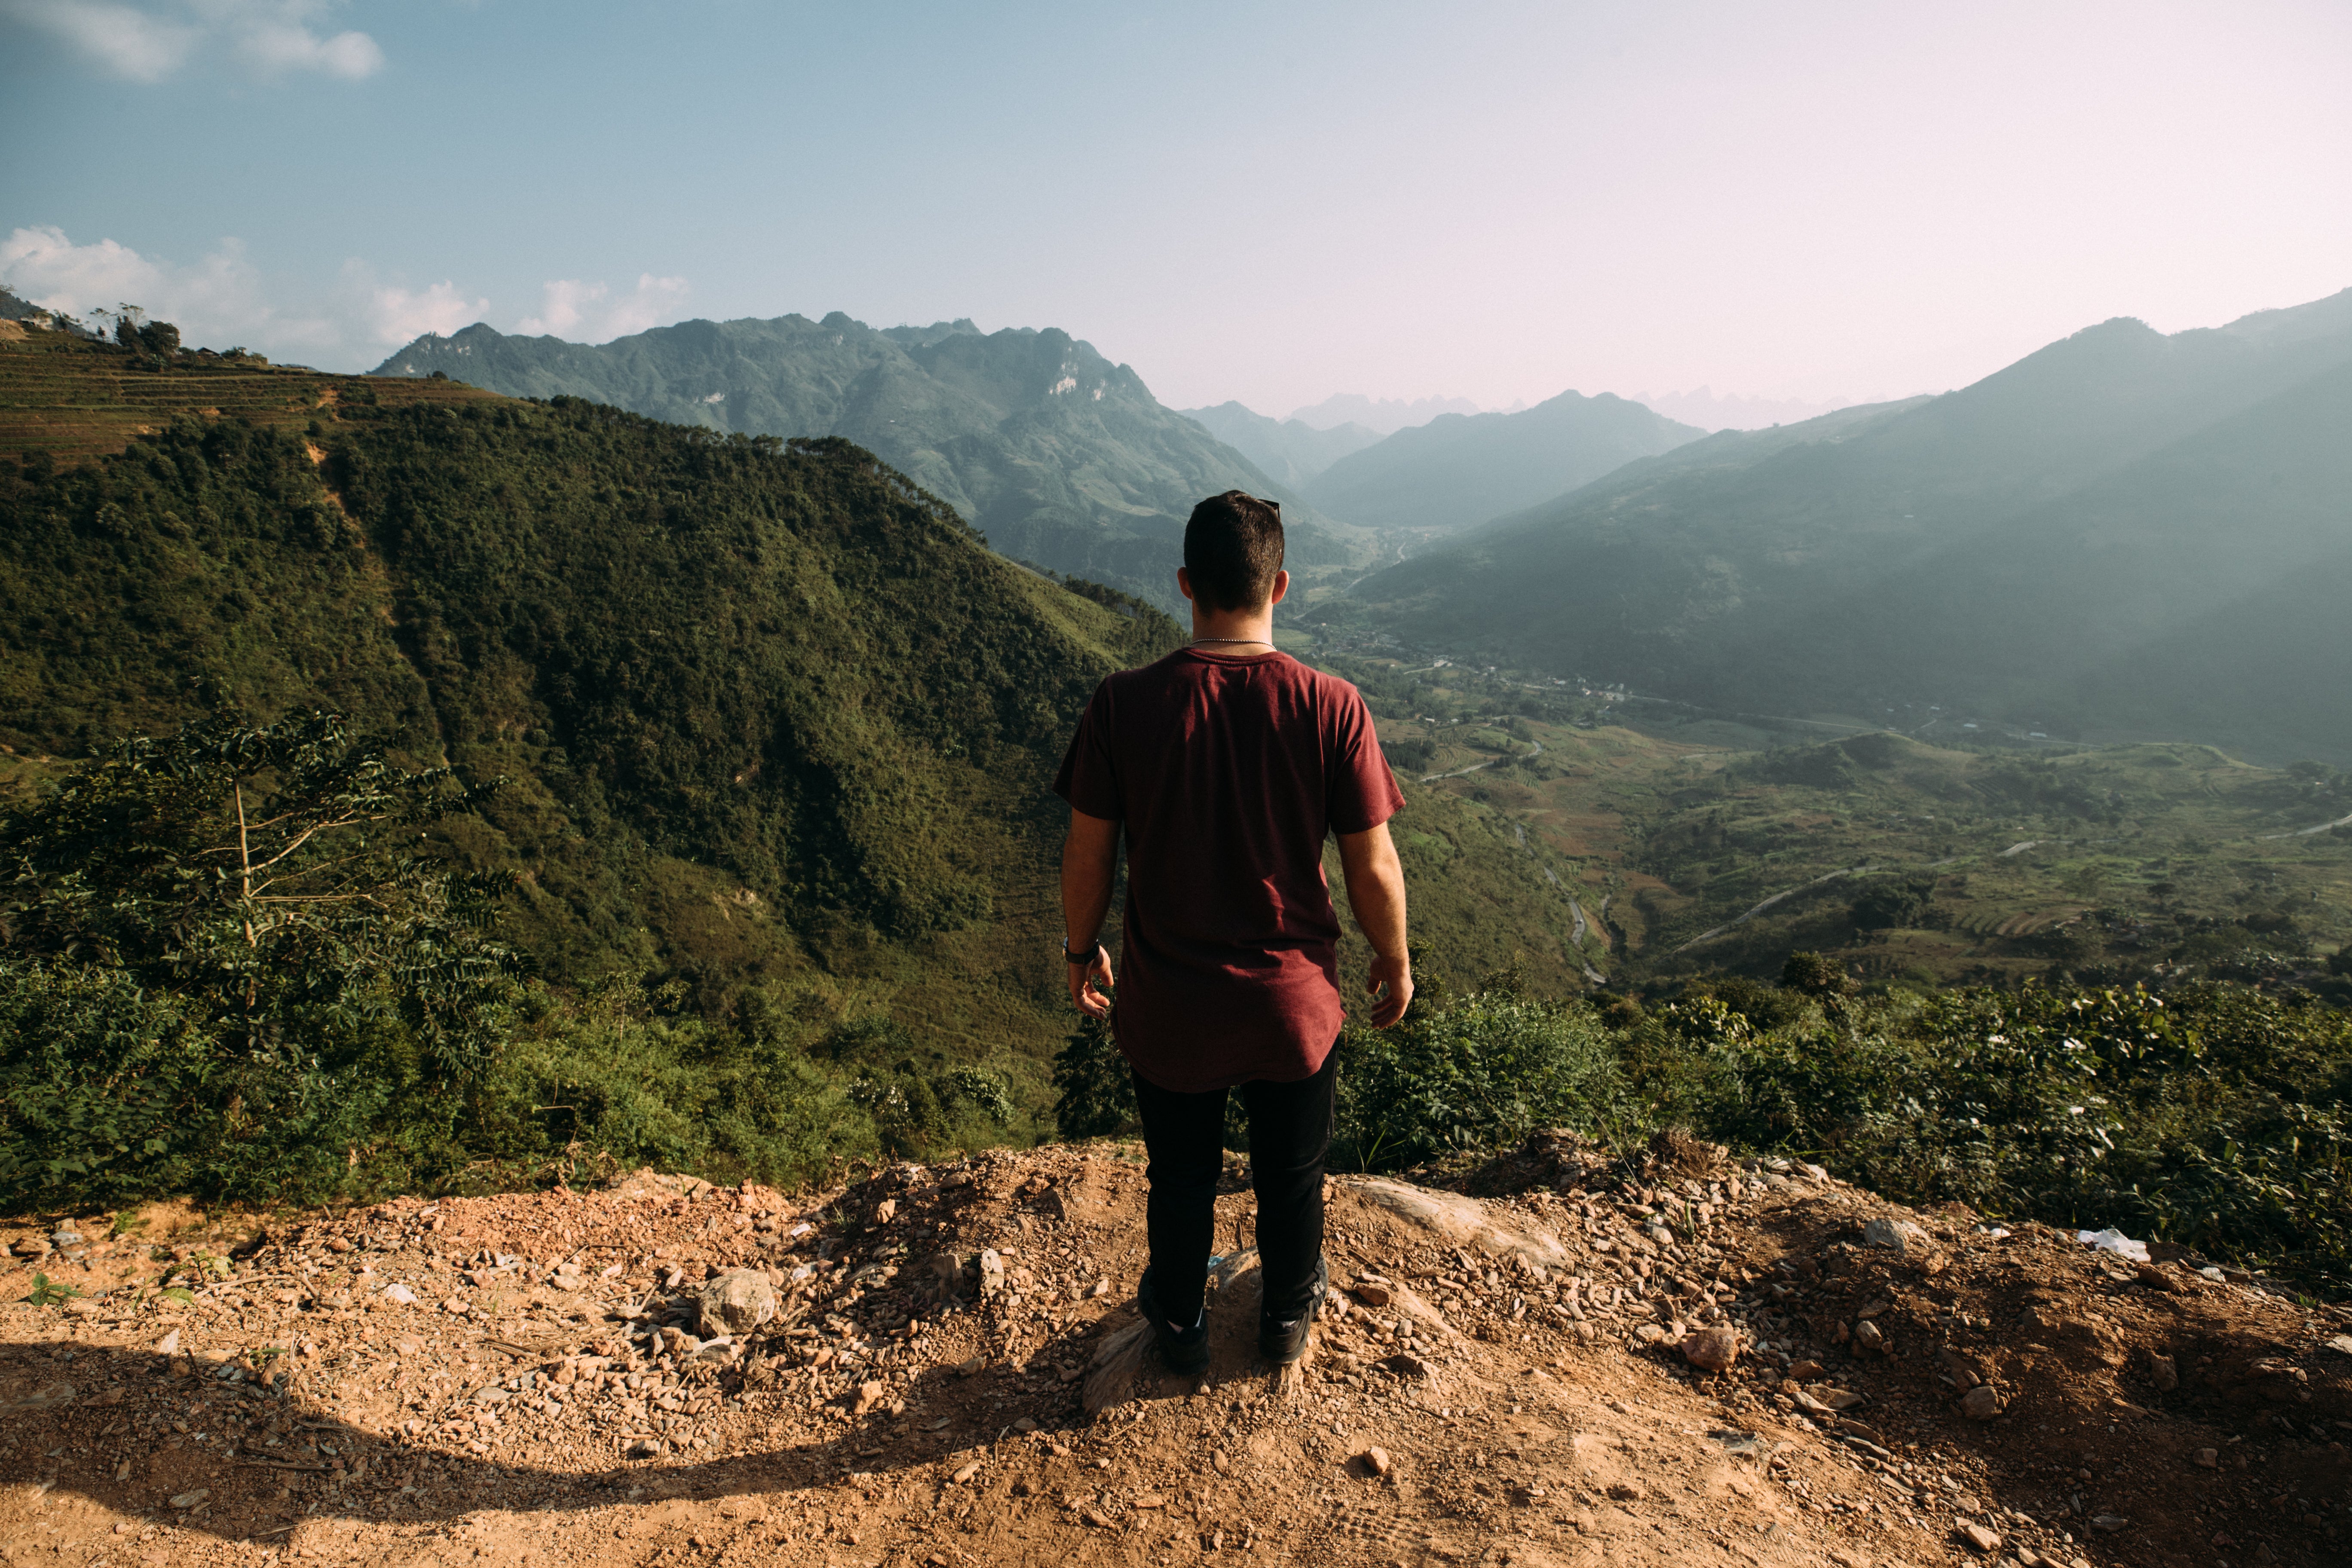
(75,399)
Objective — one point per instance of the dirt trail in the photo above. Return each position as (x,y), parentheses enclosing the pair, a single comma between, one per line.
(951,1377)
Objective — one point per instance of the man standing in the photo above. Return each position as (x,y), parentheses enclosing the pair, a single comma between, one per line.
(1228,762)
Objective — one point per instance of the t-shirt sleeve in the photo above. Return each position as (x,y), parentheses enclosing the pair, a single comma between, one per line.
(1364,794)
(1089,777)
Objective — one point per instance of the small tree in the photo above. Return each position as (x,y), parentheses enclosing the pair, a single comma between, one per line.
(234,966)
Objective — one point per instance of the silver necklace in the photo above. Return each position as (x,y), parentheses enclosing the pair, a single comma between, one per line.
(1198,641)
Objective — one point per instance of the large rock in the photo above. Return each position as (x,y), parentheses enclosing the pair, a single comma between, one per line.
(1981,1403)
(736,1302)
(1898,1235)
(1712,1350)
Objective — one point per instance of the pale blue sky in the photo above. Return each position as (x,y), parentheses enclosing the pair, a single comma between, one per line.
(1261,201)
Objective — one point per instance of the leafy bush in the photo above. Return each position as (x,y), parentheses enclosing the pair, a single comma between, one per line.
(2212,1117)
(1477,1073)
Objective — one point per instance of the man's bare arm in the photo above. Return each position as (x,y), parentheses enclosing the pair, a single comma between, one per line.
(1376,892)
(1090,859)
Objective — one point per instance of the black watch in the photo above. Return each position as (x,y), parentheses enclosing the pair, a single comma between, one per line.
(1093,951)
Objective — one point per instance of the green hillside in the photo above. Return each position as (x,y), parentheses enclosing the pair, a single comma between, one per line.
(1053,453)
(2124,535)
(1465,468)
(772,717)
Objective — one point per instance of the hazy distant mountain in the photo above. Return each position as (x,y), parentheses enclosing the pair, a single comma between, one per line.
(2124,532)
(1460,470)
(1384,416)
(1291,451)
(1710,410)
(1059,455)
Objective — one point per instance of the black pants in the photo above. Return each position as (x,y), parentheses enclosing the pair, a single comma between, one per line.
(1289,1135)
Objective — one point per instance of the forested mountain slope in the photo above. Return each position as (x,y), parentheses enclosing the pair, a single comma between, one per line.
(2123,534)
(770,714)
(1053,452)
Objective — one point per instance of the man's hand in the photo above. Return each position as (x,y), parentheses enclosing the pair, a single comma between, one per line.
(1089,856)
(1376,893)
(1084,981)
(1396,974)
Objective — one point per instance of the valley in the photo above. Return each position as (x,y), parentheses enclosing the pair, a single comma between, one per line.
(1723,843)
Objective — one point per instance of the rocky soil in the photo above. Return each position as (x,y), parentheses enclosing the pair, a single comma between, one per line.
(1563,1360)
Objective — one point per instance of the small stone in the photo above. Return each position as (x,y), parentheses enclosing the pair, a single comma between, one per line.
(1978,1536)
(1150,1499)
(1806,1371)
(736,1302)
(647,1449)
(1095,1516)
(2163,1373)
(400,1294)
(1712,1350)
(869,1395)
(2209,1458)
(2108,1523)
(1375,1460)
(1866,1337)
(964,1476)
(1370,1295)
(1026,1424)
(1960,1366)
(1407,1366)
(1832,1399)
(190,1500)
(169,1344)
(886,1211)
(972,1367)
(1981,1403)
(338,1243)
(1626,1491)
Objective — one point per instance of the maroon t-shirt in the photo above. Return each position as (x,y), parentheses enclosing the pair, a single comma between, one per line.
(1228,773)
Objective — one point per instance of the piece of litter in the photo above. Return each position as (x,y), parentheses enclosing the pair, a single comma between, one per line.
(2113,1241)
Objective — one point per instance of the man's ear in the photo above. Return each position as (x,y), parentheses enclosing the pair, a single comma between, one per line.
(1184,581)
(1281,586)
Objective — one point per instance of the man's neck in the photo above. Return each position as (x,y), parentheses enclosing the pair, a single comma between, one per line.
(1232,629)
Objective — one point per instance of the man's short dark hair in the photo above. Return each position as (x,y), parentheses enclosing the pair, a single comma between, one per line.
(1233,547)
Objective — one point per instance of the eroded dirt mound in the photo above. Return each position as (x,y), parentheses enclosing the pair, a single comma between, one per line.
(941,1365)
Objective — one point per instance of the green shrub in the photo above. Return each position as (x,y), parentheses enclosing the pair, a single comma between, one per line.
(1474,1074)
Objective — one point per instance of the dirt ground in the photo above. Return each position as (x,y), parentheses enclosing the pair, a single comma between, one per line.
(952,1374)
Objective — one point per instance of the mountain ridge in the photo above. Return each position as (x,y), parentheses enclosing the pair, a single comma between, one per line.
(1866,559)
(1462,469)
(1057,455)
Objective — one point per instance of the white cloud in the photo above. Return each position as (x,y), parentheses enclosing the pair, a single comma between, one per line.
(223,299)
(219,300)
(396,315)
(589,313)
(147,43)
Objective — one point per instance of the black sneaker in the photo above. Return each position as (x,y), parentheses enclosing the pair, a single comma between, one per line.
(1184,1351)
(1284,1341)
